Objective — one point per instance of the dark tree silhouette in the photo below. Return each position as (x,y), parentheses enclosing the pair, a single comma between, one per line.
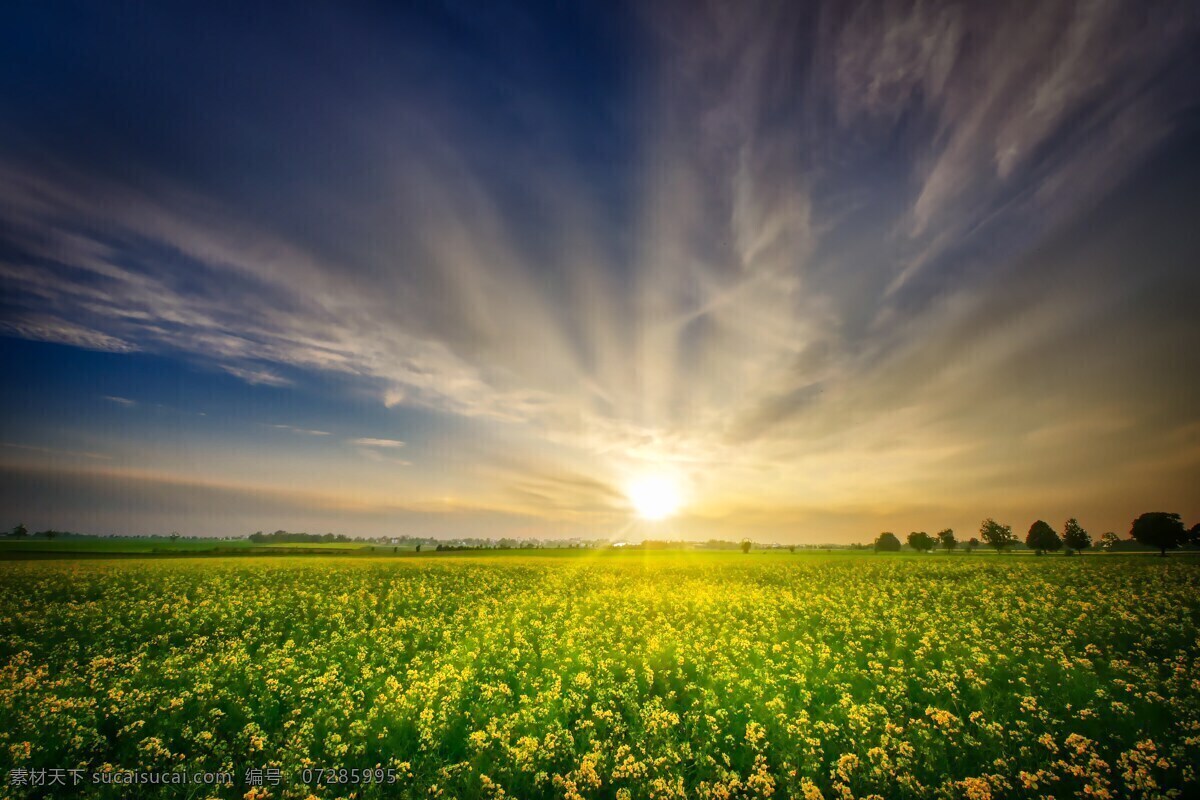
(921,541)
(972,543)
(996,535)
(887,543)
(1041,537)
(946,537)
(1159,529)
(20,530)
(1075,537)
(746,545)
(1109,540)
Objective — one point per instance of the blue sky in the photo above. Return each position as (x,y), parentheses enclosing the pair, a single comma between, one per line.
(827,268)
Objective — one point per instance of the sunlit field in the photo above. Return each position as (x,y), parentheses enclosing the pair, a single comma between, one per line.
(631,675)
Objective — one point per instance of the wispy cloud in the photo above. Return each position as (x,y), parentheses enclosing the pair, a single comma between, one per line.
(369,442)
(257,376)
(294,429)
(52,329)
(1035,116)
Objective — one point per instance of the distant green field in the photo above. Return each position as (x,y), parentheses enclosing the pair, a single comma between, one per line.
(119,544)
(133,545)
(326,546)
(606,674)
(93,545)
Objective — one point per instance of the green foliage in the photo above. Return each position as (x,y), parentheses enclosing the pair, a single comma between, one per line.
(921,541)
(996,535)
(1041,537)
(1075,537)
(1159,529)
(947,540)
(746,545)
(887,542)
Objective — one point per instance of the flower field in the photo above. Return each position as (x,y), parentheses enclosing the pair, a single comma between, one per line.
(632,675)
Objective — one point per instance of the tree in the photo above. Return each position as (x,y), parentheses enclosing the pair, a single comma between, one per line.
(996,535)
(791,548)
(174,536)
(20,530)
(49,534)
(1041,537)
(418,547)
(946,537)
(1159,529)
(887,543)
(1075,537)
(1194,535)
(972,543)
(1109,540)
(921,541)
(746,545)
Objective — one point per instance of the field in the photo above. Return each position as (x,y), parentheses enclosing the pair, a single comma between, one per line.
(84,546)
(629,675)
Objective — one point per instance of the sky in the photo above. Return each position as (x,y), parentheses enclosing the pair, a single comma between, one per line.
(456,269)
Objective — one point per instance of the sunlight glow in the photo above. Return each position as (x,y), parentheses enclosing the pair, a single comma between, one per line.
(654,497)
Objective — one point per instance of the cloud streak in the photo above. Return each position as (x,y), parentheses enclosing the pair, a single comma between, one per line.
(293,429)
(369,442)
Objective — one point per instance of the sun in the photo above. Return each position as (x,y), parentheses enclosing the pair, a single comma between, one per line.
(654,496)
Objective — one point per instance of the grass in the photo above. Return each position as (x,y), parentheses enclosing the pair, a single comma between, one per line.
(611,674)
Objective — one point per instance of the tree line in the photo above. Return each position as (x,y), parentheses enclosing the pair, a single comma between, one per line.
(293,537)
(1158,529)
